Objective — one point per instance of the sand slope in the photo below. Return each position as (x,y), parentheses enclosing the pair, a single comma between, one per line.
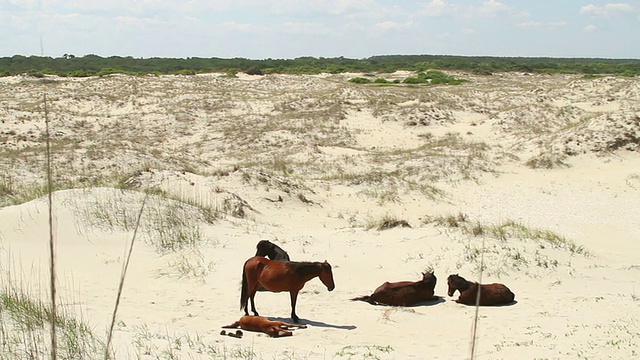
(315,164)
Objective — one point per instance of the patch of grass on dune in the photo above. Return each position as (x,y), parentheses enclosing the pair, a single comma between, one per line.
(24,328)
(498,249)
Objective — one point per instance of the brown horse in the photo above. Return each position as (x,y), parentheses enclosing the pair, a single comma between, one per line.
(490,294)
(277,276)
(403,293)
(271,250)
(258,323)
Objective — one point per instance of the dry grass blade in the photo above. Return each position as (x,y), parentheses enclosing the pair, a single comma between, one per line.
(122,277)
(52,247)
(474,331)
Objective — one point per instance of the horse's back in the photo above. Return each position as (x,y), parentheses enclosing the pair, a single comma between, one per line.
(256,262)
(490,295)
(274,276)
(497,294)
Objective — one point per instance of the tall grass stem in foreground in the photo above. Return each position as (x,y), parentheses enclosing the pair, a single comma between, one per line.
(52,245)
(122,277)
(474,332)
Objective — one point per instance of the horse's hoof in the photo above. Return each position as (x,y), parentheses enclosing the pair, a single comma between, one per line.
(239,333)
(223,332)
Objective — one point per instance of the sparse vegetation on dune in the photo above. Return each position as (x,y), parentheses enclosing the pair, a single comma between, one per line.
(219,159)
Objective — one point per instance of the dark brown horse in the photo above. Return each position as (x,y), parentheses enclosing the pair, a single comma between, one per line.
(490,294)
(258,323)
(271,250)
(277,276)
(403,293)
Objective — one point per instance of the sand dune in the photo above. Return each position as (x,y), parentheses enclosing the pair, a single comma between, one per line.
(533,179)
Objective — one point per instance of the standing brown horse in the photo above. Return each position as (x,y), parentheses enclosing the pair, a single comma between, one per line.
(277,276)
(403,293)
(490,294)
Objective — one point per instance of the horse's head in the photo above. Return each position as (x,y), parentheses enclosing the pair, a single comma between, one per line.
(456,282)
(429,278)
(264,247)
(326,276)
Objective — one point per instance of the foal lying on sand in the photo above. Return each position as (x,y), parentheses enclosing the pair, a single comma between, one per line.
(258,323)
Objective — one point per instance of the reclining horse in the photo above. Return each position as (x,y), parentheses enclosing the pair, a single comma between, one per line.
(490,294)
(258,323)
(403,293)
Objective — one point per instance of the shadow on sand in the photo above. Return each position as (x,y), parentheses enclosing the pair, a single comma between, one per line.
(500,305)
(434,301)
(315,323)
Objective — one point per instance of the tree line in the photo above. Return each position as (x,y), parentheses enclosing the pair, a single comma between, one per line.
(94,65)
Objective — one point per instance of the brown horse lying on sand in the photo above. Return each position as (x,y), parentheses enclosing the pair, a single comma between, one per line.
(403,293)
(277,276)
(271,250)
(258,323)
(490,294)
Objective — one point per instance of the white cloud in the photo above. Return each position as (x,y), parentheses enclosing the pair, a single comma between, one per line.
(493,7)
(610,9)
(549,25)
(307,28)
(386,25)
(434,8)
(590,28)
(232,25)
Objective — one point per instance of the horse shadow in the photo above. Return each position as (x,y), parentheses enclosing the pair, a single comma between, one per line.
(507,304)
(433,301)
(514,302)
(315,323)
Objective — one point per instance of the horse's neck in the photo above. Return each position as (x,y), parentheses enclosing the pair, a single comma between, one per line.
(308,270)
(468,285)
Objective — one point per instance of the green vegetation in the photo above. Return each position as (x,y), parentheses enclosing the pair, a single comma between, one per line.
(24,329)
(431,77)
(93,65)
(507,230)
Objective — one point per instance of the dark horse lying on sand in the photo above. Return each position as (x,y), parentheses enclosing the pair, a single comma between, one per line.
(403,293)
(490,294)
(258,323)
(277,276)
(271,250)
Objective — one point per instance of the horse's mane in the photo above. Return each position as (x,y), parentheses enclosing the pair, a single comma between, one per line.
(304,267)
(462,283)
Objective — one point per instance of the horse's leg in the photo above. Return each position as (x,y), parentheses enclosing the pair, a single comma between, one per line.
(252,287)
(253,304)
(294,298)
(235,325)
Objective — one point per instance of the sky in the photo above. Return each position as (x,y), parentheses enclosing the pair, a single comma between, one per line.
(287,29)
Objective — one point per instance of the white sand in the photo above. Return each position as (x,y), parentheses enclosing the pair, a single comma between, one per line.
(569,306)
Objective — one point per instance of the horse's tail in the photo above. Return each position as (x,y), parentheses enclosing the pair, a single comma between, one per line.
(366,298)
(244,293)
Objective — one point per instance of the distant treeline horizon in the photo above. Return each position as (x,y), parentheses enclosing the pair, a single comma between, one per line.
(94,65)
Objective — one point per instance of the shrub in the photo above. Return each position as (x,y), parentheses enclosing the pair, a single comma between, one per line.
(359,80)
